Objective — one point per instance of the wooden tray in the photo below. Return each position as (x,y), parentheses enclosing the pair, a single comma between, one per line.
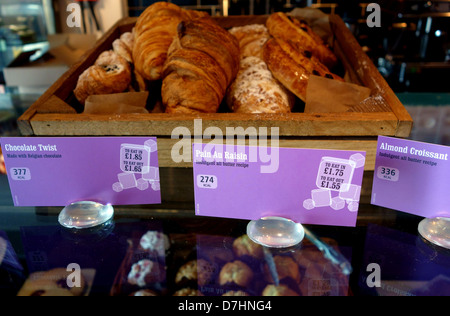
(382,114)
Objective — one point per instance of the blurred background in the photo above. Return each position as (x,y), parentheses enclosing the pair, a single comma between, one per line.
(411,48)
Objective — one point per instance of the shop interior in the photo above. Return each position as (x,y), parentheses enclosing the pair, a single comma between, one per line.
(410,49)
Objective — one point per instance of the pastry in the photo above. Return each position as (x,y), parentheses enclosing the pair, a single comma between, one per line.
(236,272)
(251,39)
(146,272)
(292,68)
(286,268)
(154,31)
(155,242)
(300,35)
(244,246)
(110,74)
(281,290)
(188,292)
(202,62)
(255,90)
(199,270)
(304,58)
(123,46)
(52,283)
(144,293)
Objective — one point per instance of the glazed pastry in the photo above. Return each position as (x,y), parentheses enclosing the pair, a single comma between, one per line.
(304,58)
(110,74)
(244,246)
(255,90)
(146,272)
(154,31)
(292,68)
(123,46)
(203,60)
(251,39)
(300,35)
(281,290)
(52,283)
(237,273)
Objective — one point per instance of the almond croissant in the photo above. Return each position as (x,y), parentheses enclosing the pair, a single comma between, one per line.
(202,62)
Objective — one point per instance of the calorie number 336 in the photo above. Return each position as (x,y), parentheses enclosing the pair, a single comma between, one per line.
(388,171)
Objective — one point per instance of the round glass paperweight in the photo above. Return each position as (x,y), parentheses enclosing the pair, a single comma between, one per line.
(83,215)
(275,232)
(436,231)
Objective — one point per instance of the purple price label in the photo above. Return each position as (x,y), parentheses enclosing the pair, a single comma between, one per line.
(20,174)
(335,174)
(59,171)
(308,186)
(412,177)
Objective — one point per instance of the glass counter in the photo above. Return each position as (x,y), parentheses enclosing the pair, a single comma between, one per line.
(166,250)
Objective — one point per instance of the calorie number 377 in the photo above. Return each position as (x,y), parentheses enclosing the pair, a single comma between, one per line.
(19,171)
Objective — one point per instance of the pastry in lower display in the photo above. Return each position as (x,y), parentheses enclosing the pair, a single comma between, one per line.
(237,273)
(301,36)
(146,272)
(202,62)
(251,39)
(52,283)
(244,246)
(155,29)
(199,271)
(188,292)
(255,90)
(110,74)
(286,268)
(280,290)
(144,293)
(155,243)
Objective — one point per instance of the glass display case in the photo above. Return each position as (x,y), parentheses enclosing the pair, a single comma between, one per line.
(167,250)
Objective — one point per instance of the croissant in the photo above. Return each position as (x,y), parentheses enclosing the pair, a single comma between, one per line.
(301,37)
(154,31)
(123,46)
(203,60)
